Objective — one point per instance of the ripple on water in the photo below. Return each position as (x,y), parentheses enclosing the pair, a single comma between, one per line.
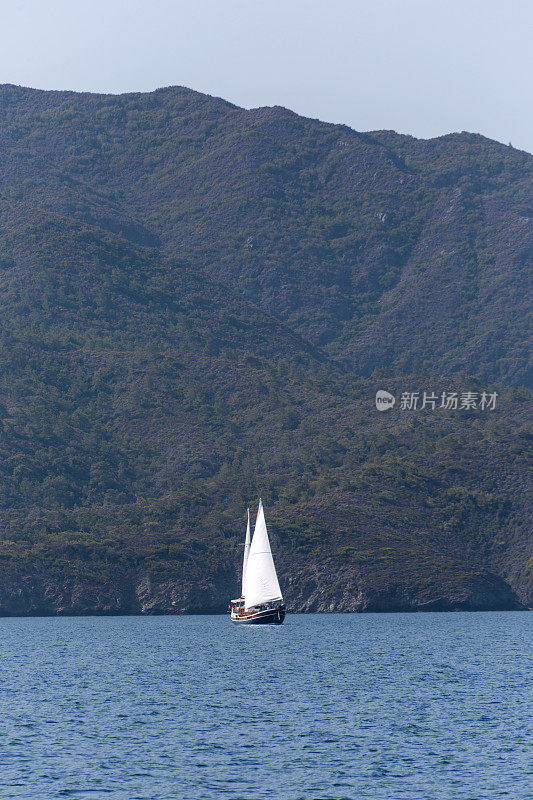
(329,707)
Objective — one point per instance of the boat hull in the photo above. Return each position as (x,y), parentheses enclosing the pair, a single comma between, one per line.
(269,616)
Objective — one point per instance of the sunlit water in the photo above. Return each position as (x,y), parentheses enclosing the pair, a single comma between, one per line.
(418,706)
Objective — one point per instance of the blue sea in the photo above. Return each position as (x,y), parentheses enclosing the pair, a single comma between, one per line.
(324,707)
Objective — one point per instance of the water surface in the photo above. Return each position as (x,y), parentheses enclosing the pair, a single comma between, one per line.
(324,707)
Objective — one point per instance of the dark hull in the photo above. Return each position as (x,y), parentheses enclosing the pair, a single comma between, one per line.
(271,616)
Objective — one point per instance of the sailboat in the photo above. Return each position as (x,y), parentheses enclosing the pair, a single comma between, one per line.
(261,601)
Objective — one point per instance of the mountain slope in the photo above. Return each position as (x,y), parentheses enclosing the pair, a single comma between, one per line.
(338,233)
(193,300)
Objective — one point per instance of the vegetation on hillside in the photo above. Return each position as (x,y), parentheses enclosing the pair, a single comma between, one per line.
(198,305)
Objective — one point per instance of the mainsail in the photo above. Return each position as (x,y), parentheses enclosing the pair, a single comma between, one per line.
(246,552)
(260,580)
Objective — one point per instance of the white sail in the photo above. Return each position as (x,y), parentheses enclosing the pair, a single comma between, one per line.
(246,551)
(261,582)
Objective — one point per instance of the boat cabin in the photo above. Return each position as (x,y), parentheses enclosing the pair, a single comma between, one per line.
(237,606)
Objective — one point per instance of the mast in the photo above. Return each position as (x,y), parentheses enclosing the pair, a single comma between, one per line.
(261,582)
(246,552)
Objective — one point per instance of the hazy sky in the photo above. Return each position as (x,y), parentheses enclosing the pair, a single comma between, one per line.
(424,67)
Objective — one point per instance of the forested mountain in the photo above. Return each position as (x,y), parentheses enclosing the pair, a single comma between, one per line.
(198,304)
